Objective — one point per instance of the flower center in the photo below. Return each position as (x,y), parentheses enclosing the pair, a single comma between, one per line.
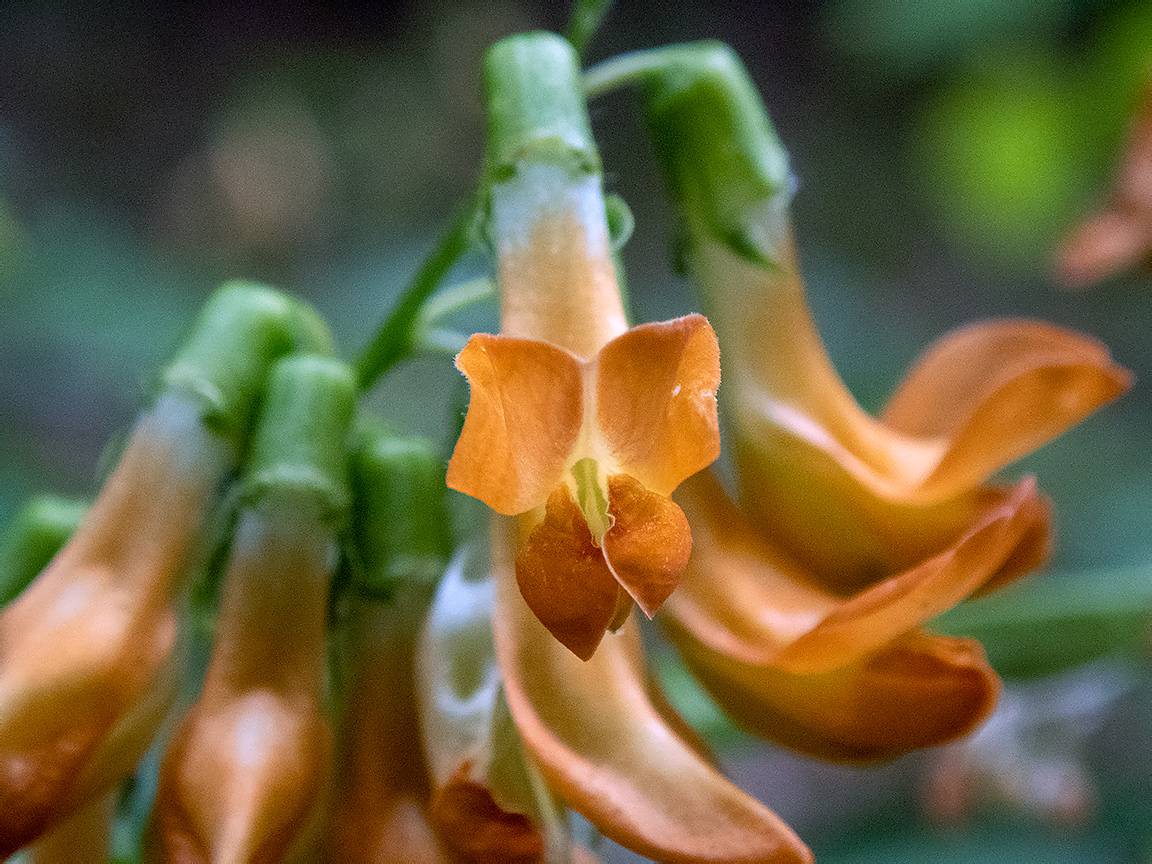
(591,493)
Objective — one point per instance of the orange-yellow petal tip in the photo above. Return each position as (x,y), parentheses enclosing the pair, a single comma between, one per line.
(919,691)
(996,390)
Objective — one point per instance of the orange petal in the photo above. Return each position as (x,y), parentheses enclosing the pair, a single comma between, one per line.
(897,605)
(604,748)
(648,544)
(478,830)
(743,597)
(524,415)
(564,578)
(921,691)
(997,390)
(845,523)
(656,400)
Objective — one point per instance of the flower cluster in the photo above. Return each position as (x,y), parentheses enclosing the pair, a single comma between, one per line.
(371,696)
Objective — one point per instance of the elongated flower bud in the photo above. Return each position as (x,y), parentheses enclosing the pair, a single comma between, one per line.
(245,774)
(400,530)
(87,659)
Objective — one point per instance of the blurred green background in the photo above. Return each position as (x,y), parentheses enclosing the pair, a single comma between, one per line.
(150,151)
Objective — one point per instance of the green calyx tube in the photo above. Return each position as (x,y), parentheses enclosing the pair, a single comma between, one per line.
(724,162)
(401,528)
(242,330)
(300,445)
(536,108)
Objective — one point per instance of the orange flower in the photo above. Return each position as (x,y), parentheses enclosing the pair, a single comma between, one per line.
(1119,236)
(801,607)
(88,664)
(580,424)
(608,746)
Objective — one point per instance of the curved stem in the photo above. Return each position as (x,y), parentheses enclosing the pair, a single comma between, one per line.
(458,296)
(631,68)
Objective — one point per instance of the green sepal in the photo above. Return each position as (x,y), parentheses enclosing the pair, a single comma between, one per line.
(621,222)
(242,330)
(536,107)
(300,445)
(723,158)
(38,531)
(401,528)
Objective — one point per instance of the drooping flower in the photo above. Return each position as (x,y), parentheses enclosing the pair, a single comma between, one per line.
(88,659)
(607,745)
(802,606)
(585,426)
(244,776)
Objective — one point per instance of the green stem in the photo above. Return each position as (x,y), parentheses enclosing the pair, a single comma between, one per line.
(587,15)
(635,67)
(395,338)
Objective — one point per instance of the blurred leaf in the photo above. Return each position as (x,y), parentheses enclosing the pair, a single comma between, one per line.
(1050,624)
